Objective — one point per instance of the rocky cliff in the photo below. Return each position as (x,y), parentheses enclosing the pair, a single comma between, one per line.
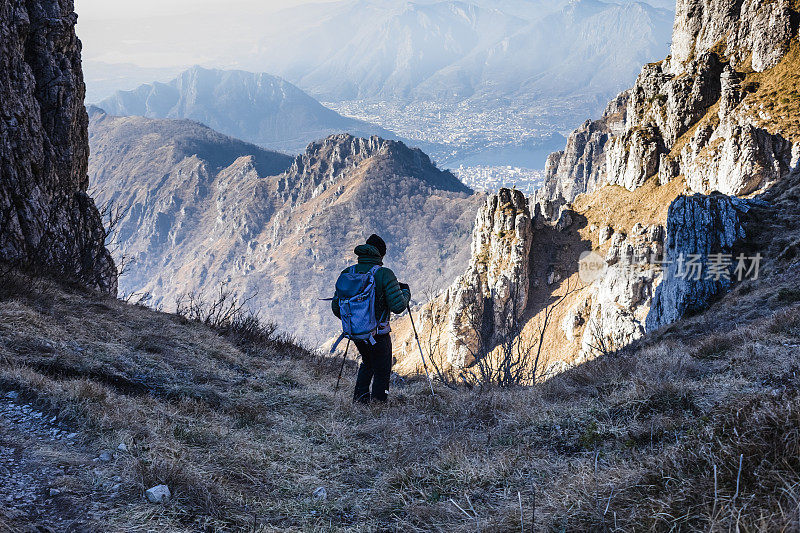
(486,302)
(700,116)
(699,113)
(581,166)
(717,118)
(47,220)
(698,227)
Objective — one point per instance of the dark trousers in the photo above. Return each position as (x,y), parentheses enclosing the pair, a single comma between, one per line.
(376,367)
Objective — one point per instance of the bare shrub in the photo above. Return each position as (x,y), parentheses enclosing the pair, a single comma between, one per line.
(232,318)
(112,215)
(517,359)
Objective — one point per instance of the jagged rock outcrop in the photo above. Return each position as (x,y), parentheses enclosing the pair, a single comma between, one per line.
(581,166)
(487,301)
(698,228)
(728,150)
(614,311)
(693,115)
(741,27)
(47,221)
(735,158)
(325,161)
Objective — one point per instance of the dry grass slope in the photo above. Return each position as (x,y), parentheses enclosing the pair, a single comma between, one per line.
(777,94)
(626,442)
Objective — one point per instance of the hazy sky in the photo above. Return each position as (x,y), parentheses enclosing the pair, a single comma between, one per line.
(111,9)
(174,33)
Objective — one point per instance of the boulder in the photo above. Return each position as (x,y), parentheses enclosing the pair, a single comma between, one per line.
(158,494)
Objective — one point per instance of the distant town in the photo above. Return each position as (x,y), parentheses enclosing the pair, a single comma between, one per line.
(492,178)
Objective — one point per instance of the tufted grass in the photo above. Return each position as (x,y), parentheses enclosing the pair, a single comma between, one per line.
(244,437)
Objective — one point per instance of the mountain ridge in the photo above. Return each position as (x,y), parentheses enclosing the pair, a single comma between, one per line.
(256,107)
(680,165)
(191,226)
(464,59)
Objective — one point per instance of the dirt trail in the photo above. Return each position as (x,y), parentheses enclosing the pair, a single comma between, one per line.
(49,481)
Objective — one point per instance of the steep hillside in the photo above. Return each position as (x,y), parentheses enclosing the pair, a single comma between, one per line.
(202,210)
(47,221)
(162,144)
(693,429)
(258,108)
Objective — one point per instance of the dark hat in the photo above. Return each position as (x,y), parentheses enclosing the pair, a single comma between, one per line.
(378,243)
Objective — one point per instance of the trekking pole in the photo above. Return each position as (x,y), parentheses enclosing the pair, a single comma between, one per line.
(341,369)
(424,364)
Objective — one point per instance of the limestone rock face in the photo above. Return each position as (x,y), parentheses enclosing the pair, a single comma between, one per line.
(697,226)
(727,151)
(47,221)
(485,302)
(735,158)
(581,166)
(742,27)
(618,303)
(633,157)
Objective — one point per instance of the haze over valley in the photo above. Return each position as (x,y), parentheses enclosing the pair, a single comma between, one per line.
(474,84)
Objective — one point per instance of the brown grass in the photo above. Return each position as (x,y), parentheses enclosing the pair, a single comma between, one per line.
(626,442)
(777,93)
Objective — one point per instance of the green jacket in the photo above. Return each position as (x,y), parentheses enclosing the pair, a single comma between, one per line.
(388,294)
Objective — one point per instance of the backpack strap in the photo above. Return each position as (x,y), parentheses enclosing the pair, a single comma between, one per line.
(336,344)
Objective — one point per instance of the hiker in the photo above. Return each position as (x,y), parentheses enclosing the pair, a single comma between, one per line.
(389,297)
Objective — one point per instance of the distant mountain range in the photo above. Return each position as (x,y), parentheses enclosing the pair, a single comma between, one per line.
(259,108)
(202,210)
(456,50)
(476,82)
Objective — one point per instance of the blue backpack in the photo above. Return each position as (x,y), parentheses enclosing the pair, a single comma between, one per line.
(356,294)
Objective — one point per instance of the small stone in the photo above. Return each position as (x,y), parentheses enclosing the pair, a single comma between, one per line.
(605,234)
(158,494)
(122,447)
(105,457)
(13,395)
(54,492)
(320,493)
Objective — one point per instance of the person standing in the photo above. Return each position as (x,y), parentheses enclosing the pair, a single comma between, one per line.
(390,297)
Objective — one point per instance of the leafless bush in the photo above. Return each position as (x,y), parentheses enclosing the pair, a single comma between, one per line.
(137,298)
(515,359)
(112,215)
(432,329)
(232,318)
(600,344)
